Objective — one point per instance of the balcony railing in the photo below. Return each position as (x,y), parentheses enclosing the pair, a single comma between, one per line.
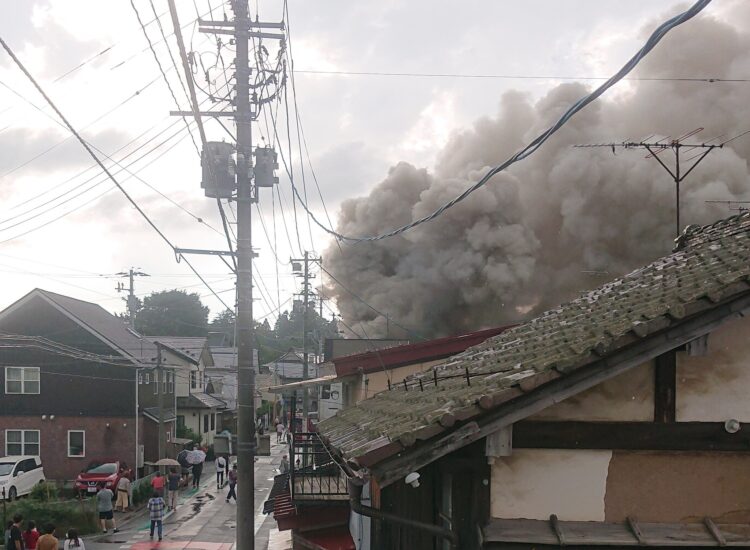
(315,473)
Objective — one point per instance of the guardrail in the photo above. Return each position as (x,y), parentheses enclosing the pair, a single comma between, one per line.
(315,475)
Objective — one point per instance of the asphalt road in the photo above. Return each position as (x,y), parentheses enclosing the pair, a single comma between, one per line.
(203,519)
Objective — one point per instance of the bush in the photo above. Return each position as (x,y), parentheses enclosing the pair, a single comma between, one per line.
(80,514)
(44,492)
(142,493)
(187,433)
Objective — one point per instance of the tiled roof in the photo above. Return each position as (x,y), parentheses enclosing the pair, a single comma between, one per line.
(711,265)
(153,413)
(200,400)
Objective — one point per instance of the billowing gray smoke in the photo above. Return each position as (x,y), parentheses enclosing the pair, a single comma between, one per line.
(561,221)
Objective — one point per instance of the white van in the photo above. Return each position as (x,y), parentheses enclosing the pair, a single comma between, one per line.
(18,475)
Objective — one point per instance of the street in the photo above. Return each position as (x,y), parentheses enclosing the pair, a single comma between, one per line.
(203,519)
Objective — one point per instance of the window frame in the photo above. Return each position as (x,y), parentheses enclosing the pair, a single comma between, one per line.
(23,443)
(205,423)
(213,422)
(23,380)
(83,447)
(193,380)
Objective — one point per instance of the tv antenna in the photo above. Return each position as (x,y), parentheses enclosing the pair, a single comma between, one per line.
(679,147)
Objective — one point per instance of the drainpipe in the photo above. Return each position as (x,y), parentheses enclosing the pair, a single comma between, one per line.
(355,501)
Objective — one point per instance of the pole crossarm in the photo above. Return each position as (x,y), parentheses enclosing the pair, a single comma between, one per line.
(250,34)
(205,252)
(203,113)
(250,24)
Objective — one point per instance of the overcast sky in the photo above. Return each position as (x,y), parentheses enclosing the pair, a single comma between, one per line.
(356,126)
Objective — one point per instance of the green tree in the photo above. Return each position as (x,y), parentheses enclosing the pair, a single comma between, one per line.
(172,313)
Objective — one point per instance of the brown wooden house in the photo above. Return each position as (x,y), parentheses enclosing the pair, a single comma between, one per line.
(618,419)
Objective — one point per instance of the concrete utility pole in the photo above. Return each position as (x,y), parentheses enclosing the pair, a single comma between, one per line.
(246,195)
(306,293)
(131,300)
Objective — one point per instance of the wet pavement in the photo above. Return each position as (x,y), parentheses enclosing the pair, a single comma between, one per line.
(203,519)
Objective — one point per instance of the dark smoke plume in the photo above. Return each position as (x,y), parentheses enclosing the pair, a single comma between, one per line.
(561,221)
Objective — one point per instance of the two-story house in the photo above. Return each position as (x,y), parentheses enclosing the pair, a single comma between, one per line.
(78,384)
(197,410)
(618,419)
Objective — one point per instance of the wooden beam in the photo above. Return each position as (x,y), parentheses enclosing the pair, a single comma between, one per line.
(620,361)
(636,530)
(631,436)
(715,531)
(557,528)
(665,387)
(499,443)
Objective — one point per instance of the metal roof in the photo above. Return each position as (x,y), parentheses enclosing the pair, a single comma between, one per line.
(200,400)
(706,277)
(190,347)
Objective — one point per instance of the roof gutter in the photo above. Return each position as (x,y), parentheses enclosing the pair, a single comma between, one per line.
(355,501)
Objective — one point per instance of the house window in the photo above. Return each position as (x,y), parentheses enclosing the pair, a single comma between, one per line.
(76,443)
(156,382)
(140,377)
(169,435)
(325,391)
(146,378)
(22,380)
(170,382)
(21,442)
(193,379)
(180,420)
(213,422)
(205,423)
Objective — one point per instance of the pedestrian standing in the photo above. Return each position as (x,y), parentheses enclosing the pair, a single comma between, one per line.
(123,493)
(157,483)
(48,541)
(173,484)
(197,470)
(232,483)
(104,506)
(221,464)
(284,465)
(156,513)
(279,432)
(73,541)
(16,535)
(30,536)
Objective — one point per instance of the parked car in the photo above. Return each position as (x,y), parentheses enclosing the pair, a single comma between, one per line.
(97,475)
(18,475)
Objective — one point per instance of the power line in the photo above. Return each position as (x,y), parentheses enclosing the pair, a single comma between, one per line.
(104,168)
(710,80)
(529,149)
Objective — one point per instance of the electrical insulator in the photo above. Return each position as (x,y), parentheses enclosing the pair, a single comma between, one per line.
(219,170)
(265,163)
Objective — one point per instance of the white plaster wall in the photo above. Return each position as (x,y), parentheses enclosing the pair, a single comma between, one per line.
(715,387)
(535,483)
(627,397)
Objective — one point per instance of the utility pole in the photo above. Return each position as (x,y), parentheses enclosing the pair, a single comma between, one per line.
(160,387)
(304,272)
(655,148)
(248,179)
(131,300)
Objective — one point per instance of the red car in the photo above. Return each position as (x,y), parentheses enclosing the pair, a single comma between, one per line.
(97,475)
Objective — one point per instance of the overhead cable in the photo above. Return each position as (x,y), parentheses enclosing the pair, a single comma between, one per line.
(529,149)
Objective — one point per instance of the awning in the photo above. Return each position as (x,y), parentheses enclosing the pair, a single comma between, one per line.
(312,382)
(152,413)
(500,532)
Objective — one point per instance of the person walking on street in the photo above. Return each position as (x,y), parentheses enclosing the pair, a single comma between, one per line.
(48,541)
(279,432)
(197,470)
(30,536)
(123,494)
(284,465)
(73,541)
(221,464)
(157,483)
(16,535)
(232,483)
(104,506)
(156,513)
(173,484)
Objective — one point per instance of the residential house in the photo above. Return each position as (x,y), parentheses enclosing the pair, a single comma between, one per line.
(222,382)
(197,410)
(615,420)
(78,384)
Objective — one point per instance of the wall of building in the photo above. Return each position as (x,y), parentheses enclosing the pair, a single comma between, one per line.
(378,381)
(715,387)
(534,483)
(194,421)
(627,397)
(150,440)
(114,442)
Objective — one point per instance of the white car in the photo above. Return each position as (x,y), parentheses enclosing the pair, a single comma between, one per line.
(18,475)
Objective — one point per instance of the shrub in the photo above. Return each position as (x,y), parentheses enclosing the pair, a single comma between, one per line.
(44,492)
(142,493)
(80,514)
